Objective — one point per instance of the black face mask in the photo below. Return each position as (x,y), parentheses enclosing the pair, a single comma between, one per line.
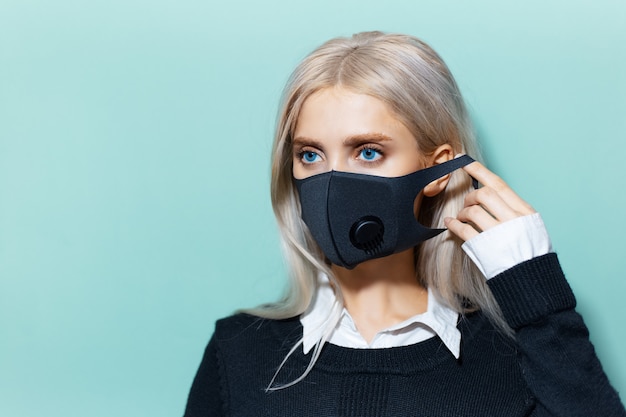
(357,217)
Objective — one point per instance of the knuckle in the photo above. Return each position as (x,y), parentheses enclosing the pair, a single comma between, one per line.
(465,214)
(525,210)
(469,198)
(474,211)
(485,193)
(499,185)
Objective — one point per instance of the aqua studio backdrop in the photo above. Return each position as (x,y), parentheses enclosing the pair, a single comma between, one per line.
(134,171)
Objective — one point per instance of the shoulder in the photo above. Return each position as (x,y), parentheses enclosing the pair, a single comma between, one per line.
(249,348)
(244,328)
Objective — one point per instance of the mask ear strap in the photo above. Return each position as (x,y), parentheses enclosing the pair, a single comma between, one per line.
(437,171)
(474,183)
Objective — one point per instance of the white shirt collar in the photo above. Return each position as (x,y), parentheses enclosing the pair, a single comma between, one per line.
(438,320)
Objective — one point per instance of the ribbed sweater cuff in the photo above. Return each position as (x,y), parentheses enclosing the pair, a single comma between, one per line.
(532,290)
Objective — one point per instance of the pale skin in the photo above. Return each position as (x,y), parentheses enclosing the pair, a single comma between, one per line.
(345,131)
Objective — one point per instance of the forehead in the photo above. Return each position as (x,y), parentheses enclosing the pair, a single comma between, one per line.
(337,113)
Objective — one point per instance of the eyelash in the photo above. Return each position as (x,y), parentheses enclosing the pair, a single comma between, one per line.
(301,154)
(373,148)
(359,150)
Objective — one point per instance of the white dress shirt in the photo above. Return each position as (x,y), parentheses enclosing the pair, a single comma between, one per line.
(493,252)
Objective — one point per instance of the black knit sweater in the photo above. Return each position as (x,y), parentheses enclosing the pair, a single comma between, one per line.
(550,369)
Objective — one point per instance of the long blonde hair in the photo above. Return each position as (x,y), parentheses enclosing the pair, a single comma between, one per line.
(411,78)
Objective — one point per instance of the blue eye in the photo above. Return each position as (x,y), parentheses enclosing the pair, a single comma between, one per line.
(369,154)
(309,157)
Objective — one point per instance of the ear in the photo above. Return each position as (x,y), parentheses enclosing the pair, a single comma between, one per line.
(442,154)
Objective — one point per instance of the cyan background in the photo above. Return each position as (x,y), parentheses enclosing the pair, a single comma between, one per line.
(134,146)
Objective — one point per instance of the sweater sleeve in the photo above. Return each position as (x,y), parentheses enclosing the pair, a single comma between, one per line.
(205,397)
(557,358)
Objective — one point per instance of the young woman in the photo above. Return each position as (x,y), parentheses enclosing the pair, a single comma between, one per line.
(387,313)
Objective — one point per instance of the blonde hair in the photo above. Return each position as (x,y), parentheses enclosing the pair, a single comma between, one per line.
(411,78)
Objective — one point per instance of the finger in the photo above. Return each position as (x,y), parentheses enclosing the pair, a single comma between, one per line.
(491,180)
(478,217)
(492,202)
(460,229)
(483,175)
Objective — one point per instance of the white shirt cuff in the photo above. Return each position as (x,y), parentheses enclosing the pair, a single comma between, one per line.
(508,244)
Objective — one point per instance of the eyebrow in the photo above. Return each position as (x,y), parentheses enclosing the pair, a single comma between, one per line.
(350,140)
(366,137)
(304,141)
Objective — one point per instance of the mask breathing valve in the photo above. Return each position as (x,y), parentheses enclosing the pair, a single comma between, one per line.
(367,234)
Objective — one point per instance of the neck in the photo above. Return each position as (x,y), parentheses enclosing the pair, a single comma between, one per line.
(382,292)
